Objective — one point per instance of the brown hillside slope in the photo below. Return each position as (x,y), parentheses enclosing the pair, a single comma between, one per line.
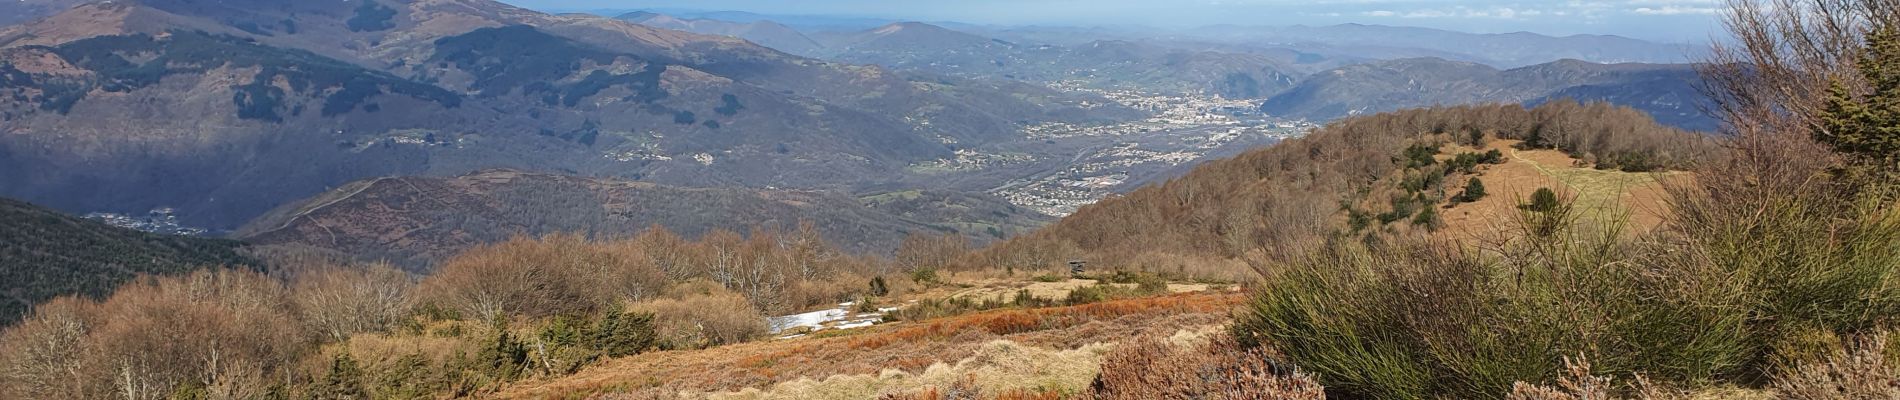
(997,348)
(1637,195)
(420,220)
(1297,192)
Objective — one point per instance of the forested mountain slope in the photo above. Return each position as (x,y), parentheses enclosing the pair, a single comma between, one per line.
(225,110)
(1337,180)
(46,254)
(417,221)
(1667,92)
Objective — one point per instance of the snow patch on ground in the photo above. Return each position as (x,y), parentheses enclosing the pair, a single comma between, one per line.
(835,318)
(814,319)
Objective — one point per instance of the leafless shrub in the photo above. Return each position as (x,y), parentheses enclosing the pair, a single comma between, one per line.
(338,302)
(1579,383)
(41,358)
(1786,54)
(698,315)
(923,251)
(1576,384)
(518,277)
(1860,373)
(213,333)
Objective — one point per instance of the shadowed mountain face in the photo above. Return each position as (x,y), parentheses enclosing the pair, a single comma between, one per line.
(417,221)
(46,254)
(1666,91)
(228,109)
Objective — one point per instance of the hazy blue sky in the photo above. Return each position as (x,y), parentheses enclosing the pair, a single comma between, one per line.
(1670,20)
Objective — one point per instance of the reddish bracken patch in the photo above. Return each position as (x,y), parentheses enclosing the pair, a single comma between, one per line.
(1008,322)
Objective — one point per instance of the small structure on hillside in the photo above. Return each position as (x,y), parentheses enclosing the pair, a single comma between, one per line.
(1075,267)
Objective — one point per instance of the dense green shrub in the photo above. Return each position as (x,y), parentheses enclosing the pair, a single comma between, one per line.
(1427,217)
(1417,181)
(503,359)
(1861,125)
(1091,294)
(411,377)
(1468,162)
(520,58)
(185,53)
(729,105)
(343,382)
(1716,301)
(259,101)
(621,334)
(1420,155)
(1542,201)
(878,287)
(371,16)
(1474,191)
(925,276)
(1404,206)
(936,308)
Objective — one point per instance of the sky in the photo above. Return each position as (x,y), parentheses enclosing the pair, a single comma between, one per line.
(1681,21)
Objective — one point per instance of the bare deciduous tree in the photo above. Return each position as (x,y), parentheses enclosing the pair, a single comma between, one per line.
(518,277)
(931,251)
(40,357)
(338,301)
(1774,76)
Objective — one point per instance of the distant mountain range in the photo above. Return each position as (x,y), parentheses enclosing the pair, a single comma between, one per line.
(1362,41)
(917,46)
(225,110)
(1503,50)
(228,110)
(1372,68)
(1666,91)
(417,221)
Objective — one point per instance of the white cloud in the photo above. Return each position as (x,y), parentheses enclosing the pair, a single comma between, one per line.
(1676,10)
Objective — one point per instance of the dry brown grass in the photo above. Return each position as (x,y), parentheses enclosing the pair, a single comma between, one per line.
(1001,290)
(1019,321)
(924,345)
(376,350)
(1601,193)
(999,368)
